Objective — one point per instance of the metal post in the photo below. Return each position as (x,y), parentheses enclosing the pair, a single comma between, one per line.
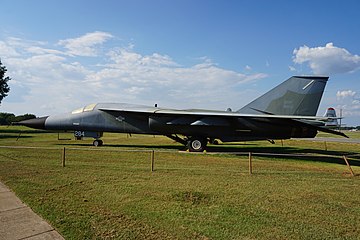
(152,160)
(250,163)
(63,157)
(340,119)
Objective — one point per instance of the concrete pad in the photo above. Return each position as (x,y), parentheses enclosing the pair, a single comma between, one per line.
(21,223)
(52,235)
(3,188)
(18,221)
(9,201)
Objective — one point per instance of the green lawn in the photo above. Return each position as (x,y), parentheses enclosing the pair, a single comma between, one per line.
(108,193)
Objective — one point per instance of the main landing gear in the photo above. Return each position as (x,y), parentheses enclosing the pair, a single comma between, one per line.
(196,144)
(193,144)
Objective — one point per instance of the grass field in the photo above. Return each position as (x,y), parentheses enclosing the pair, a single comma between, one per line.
(110,193)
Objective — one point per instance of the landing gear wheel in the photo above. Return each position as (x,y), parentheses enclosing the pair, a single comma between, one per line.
(196,144)
(98,143)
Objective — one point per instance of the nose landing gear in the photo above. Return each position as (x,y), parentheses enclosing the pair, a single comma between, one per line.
(98,143)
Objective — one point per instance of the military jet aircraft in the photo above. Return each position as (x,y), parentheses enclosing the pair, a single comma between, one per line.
(286,111)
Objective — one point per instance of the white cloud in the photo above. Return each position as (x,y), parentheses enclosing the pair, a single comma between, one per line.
(349,104)
(345,94)
(134,90)
(7,51)
(52,81)
(327,60)
(356,102)
(86,44)
(40,50)
(292,69)
(350,110)
(157,77)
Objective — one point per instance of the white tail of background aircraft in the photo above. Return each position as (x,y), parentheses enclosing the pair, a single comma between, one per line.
(332,123)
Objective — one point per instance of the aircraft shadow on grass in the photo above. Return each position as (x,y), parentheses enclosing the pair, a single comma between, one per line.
(136,146)
(288,153)
(311,155)
(9,133)
(14,137)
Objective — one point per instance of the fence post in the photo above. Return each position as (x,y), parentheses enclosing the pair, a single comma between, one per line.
(347,163)
(18,136)
(152,160)
(63,157)
(250,163)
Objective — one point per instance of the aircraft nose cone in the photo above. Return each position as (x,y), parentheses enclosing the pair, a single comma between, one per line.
(38,123)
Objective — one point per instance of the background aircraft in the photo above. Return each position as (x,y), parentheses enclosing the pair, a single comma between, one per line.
(333,121)
(286,111)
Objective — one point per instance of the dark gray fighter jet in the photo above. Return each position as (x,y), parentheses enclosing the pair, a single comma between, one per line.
(286,111)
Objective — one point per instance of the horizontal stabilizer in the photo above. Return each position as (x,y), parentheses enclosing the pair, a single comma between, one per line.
(323,129)
(327,130)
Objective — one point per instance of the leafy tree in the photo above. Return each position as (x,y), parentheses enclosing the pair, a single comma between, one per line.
(24,117)
(8,118)
(4,88)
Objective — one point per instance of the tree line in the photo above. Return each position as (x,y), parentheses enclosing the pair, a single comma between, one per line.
(8,118)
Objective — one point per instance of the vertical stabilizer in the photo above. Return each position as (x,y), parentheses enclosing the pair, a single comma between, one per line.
(299,95)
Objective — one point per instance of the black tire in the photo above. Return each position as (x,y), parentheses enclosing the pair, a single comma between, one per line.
(196,144)
(98,143)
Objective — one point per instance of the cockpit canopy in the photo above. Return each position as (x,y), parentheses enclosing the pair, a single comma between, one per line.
(87,108)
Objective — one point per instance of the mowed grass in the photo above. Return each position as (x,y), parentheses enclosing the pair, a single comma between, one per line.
(109,193)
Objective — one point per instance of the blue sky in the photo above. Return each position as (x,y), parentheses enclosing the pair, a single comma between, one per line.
(62,55)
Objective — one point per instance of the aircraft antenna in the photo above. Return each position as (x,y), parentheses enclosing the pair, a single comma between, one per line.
(340,119)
